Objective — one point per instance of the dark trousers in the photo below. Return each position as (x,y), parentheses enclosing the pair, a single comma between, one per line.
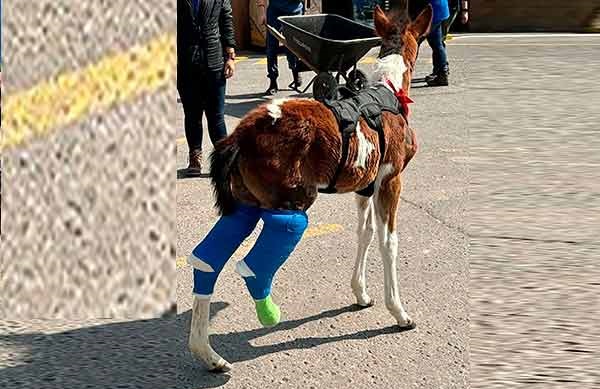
(273,44)
(438,48)
(202,92)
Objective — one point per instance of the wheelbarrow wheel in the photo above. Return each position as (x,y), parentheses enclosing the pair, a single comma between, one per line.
(325,87)
(358,80)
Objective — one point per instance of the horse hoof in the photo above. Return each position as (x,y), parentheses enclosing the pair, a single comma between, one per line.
(220,367)
(411,325)
(369,304)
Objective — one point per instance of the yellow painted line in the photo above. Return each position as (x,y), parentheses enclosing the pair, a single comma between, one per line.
(181,262)
(262,61)
(181,140)
(323,229)
(311,232)
(69,97)
(241,58)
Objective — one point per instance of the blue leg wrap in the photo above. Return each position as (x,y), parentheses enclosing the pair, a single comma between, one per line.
(281,233)
(210,256)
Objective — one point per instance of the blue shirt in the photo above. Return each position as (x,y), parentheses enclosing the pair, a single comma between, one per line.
(441,11)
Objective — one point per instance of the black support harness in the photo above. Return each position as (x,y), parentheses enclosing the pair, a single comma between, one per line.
(369,104)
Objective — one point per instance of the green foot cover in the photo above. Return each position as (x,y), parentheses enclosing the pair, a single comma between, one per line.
(267,311)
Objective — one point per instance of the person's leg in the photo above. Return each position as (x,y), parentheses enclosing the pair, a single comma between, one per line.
(436,42)
(193,109)
(282,230)
(439,77)
(272,49)
(215,106)
(292,59)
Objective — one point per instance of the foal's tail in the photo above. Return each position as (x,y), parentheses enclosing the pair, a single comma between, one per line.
(222,165)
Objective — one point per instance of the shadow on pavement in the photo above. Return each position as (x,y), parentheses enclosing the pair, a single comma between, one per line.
(139,354)
(183,174)
(134,354)
(239,109)
(236,347)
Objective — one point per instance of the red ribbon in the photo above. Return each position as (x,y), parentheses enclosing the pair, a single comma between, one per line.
(402,97)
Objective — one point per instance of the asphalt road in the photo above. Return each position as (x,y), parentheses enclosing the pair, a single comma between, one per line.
(534,201)
(497,242)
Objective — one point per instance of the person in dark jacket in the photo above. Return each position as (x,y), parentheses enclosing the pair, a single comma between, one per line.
(205,59)
(269,16)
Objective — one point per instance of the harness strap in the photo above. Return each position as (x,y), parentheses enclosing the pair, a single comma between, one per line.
(344,158)
(371,112)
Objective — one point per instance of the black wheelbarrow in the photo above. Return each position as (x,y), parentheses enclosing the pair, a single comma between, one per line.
(330,46)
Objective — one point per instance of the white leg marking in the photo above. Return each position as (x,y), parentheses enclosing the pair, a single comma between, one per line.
(198,342)
(274,108)
(243,270)
(385,170)
(199,264)
(388,243)
(366,231)
(364,148)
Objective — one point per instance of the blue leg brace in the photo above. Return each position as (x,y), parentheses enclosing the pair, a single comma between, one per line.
(281,233)
(210,256)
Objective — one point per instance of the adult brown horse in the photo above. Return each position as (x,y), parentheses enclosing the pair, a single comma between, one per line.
(283,152)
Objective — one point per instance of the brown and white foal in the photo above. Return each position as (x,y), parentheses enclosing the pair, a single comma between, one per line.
(283,152)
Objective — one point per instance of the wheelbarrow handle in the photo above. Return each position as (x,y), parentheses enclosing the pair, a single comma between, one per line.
(277,34)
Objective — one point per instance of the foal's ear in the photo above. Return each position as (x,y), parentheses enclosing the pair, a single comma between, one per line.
(420,26)
(383,25)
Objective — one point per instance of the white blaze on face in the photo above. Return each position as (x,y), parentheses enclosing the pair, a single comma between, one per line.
(364,148)
(390,67)
(274,108)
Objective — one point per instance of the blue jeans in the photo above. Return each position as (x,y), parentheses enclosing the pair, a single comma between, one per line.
(202,92)
(273,44)
(438,47)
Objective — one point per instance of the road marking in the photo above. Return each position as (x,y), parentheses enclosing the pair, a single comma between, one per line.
(181,140)
(311,232)
(69,97)
(323,229)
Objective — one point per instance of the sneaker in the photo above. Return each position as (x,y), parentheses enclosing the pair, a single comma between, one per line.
(433,74)
(440,79)
(273,88)
(430,77)
(195,166)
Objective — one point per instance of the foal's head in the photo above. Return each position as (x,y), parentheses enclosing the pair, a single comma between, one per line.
(399,36)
